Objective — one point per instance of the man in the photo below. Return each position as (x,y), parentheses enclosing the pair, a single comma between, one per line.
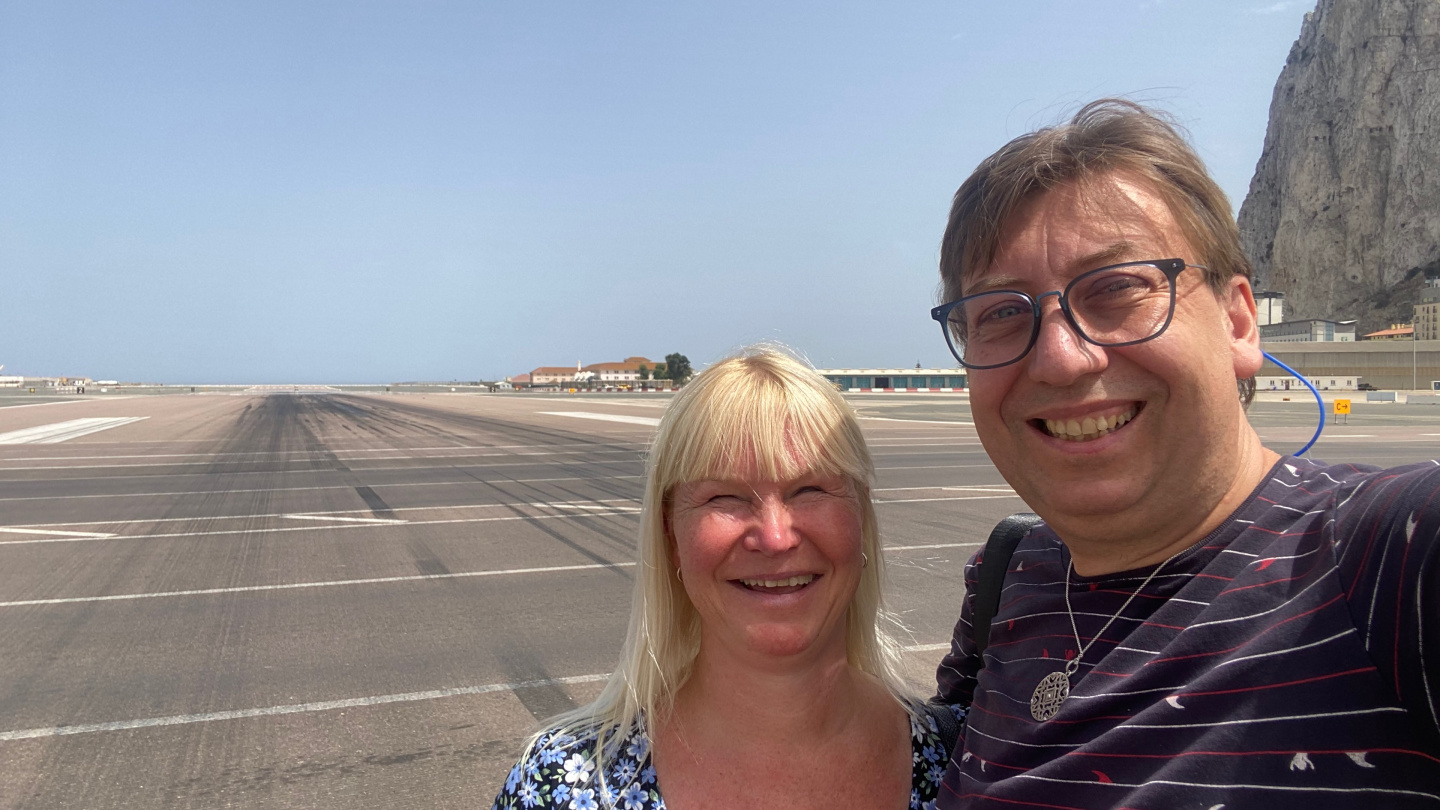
(1198,622)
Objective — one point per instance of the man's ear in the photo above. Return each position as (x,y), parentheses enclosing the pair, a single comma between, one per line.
(1243,330)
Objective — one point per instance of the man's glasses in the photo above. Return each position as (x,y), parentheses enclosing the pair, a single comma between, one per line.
(1119,305)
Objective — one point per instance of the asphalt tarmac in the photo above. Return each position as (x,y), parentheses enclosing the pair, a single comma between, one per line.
(296,600)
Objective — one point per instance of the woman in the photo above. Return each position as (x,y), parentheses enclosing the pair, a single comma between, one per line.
(755,673)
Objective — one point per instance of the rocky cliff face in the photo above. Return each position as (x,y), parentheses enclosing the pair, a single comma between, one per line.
(1343,214)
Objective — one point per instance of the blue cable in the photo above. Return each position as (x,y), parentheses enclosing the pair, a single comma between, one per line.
(1318,400)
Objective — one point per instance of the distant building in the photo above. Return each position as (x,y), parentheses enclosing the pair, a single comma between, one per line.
(626,371)
(1287,383)
(1427,312)
(1397,331)
(1269,308)
(519,380)
(552,375)
(896,379)
(1313,330)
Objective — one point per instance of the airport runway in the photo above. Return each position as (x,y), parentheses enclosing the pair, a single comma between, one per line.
(344,600)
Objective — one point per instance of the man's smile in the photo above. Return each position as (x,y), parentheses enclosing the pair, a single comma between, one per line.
(1088,427)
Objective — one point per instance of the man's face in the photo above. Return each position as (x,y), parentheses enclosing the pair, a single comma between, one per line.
(1176,447)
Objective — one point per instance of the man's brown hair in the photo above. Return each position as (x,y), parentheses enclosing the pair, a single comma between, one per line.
(1106,136)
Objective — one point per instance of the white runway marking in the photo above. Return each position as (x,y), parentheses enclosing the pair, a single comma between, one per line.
(456,483)
(661,405)
(65,431)
(602,504)
(317,470)
(390,521)
(48,532)
(60,402)
(327,705)
(606,417)
(345,453)
(616,510)
(586,509)
(292,708)
(331,583)
(919,421)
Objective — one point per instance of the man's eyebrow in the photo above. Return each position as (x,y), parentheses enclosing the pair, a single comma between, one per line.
(1123,250)
(1113,253)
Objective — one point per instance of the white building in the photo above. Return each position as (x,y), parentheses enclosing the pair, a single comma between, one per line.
(1313,330)
(896,379)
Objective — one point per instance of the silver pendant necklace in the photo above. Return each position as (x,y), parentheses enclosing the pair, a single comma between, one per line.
(1053,689)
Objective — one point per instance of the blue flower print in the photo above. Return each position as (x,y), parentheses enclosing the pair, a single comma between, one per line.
(584,800)
(578,769)
(639,747)
(633,797)
(559,773)
(624,771)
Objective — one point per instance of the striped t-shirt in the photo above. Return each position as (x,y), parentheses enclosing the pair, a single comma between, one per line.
(1280,662)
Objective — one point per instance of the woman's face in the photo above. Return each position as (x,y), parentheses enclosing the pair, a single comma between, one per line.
(771,566)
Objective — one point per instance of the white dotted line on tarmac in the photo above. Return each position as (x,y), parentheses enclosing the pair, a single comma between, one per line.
(326,705)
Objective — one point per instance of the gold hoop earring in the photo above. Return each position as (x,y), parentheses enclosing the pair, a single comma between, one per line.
(864,560)
(680,575)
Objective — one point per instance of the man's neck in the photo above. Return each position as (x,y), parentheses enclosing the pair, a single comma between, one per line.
(1137,539)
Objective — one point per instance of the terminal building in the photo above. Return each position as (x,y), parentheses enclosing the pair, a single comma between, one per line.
(1385,364)
(896,379)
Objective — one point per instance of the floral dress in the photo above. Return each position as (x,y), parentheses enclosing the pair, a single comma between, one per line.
(559,771)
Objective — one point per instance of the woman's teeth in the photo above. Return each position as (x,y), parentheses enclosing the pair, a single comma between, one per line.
(1087,429)
(779,583)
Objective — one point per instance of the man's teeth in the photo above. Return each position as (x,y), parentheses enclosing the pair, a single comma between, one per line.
(805,579)
(1084,430)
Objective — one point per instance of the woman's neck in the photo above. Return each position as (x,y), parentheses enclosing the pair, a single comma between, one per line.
(794,701)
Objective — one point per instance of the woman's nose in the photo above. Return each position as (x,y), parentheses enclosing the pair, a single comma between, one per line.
(776,531)
(1060,356)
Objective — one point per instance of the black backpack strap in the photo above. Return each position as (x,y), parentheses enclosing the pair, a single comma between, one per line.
(994,564)
(948,724)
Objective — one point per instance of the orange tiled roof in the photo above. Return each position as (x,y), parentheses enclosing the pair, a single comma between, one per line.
(1406,330)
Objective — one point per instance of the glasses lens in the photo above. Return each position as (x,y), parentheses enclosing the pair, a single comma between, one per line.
(1121,304)
(991,329)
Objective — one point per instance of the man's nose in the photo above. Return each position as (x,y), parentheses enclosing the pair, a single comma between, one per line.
(776,532)
(1060,356)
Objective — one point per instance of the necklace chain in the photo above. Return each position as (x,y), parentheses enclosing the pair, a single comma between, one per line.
(1073,665)
(1052,691)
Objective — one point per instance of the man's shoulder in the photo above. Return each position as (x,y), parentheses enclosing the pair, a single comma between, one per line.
(1304,485)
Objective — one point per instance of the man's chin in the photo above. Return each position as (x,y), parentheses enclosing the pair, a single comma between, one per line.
(1080,497)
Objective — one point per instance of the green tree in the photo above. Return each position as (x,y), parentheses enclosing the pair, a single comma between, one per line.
(661,372)
(644,372)
(678,366)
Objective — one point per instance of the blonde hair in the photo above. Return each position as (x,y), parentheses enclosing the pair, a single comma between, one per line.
(764,411)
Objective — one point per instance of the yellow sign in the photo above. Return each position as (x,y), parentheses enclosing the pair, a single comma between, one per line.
(1342,406)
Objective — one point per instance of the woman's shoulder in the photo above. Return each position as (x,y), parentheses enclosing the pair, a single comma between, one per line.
(558,771)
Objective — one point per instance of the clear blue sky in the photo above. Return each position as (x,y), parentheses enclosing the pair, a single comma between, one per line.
(379,191)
